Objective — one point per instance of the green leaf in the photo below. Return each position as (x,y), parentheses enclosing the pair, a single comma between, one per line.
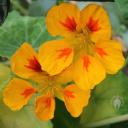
(114,15)
(38,8)
(19,29)
(24,118)
(5,75)
(122,6)
(108,103)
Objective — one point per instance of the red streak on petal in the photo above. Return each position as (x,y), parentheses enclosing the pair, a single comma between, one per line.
(28,92)
(69,23)
(101,52)
(69,94)
(93,25)
(64,53)
(34,65)
(86,62)
(48,102)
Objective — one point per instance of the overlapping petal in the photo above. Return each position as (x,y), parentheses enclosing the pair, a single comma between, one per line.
(63,19)
(54,56)
(96,20)
(75,99)
(67,20)
(111,56)
(17,93)
(45,107)
(88,72)
(24,62)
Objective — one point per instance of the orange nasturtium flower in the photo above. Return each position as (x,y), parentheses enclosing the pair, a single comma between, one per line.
(25,64)
(86,48)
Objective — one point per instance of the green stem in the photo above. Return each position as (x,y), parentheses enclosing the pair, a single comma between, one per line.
(108,121)
(19,7)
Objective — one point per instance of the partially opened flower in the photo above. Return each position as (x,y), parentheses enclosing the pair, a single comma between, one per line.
(87,47)
(18,92)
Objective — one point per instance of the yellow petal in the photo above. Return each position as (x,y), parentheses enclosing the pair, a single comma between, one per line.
(45,107)
(75,99)
(17,93)
(96,19)
(24,62)
(111,56)
(65,76)
(55,56)
(62,19)
(88,72)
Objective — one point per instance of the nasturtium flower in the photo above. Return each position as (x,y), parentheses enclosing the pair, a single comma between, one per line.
(20,90)
(86,47)
(67,20)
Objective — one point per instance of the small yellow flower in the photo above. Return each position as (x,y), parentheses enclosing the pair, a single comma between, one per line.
(87,48)
(18,92)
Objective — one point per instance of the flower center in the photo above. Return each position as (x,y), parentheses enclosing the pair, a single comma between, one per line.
(48,85)
(83,42)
